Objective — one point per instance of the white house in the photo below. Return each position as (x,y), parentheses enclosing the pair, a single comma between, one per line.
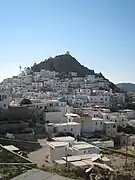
(57,150)
(108,144)
(74,74)
(120,120)
(68,139)
(81,148)
(37,84)
(4,100)
(67,146)
(131,122)
(69,127)
(90,78)
(97,124)
(130,114)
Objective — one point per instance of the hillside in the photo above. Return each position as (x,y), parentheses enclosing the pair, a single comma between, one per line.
(128,87)
(66,63)
(63,63)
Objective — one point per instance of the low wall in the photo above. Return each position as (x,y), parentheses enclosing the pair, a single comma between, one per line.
(22,145)
(26,137)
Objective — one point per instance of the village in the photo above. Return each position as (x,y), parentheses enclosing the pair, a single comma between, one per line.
(66,121)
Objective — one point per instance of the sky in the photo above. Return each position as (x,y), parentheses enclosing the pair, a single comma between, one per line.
(100,34)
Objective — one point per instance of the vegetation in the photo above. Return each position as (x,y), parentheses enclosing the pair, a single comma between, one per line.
(67,172)
(9,171)
(8,157)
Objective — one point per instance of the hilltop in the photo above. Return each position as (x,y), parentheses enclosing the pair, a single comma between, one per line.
(127,87)
(62,63)
(67,63)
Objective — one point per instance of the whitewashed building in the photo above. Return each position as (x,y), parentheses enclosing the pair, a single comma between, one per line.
(4,100)
(130,114)
(57,150)
(81,148)
(69,127)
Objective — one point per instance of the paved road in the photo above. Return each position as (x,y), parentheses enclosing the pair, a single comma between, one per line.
(38,155)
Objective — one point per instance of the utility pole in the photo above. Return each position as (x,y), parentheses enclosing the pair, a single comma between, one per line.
(133,160)
(66,157)
(126,152)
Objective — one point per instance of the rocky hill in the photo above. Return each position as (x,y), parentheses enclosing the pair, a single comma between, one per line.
(63,63)
(66,63)
(128,87)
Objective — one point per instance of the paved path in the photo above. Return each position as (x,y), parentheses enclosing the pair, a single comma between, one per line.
(38,155)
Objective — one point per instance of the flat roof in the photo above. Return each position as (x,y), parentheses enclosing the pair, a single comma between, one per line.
(132,120)
(11,148)
(63,139)
(88,161)
(72,114)
(65,124)
(36,174)
(109,122)
(60,162)
(82,157)
(126,110)
(96,142)
(97,119)
(79,163)
(83,146)
(57,144)
(112,116)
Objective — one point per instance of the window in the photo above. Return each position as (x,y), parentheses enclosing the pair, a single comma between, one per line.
(4,105)
(96,123)
(64,129)
(71,129)
(122,119)
(115,120)
(132,143)
(114,126)
(100,122)
(84,152)
(37,106)
(40,107)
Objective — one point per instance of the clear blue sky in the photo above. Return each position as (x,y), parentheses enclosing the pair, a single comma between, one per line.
(99,33)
